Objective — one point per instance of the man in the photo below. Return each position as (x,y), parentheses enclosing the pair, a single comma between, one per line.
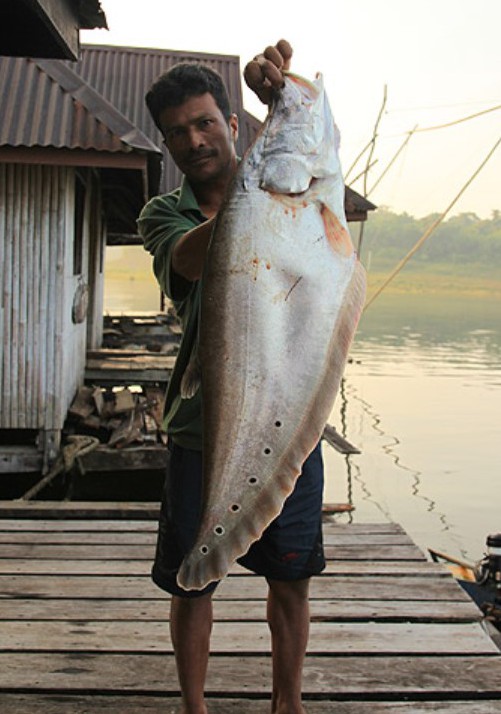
(190,106)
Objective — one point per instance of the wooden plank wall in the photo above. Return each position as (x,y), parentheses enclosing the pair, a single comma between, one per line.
(83,628)
(43,352)
(31,283)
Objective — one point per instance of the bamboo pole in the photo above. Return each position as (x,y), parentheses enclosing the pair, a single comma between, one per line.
(355,162)
(369,163)
(395,156)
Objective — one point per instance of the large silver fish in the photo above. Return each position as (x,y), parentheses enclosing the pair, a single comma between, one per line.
(282,294)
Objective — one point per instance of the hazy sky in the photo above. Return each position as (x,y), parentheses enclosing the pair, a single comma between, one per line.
(440,61)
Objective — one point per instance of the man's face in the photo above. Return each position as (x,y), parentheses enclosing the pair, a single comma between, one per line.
(199,139)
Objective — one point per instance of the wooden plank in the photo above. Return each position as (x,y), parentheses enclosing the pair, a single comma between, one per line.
(337,587)
(91,566)
(132,704)
(348,537)
(113,375)
(65,516)
(4,266)
(251,638)
(238,610)
(143,552)
(139,458)
(117,361)
(91,539)
(8,266)
(70,525)
(365,528)
(75,552)
(377,552)
(20,459)
(338,442)
(341,677)
(96,535)
(83,404)
(362,587)
(80,509)
(57,532)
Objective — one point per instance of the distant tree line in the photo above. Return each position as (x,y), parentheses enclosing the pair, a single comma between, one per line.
(461,242)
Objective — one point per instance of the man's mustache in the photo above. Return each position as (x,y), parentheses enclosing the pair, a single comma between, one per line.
(201,154)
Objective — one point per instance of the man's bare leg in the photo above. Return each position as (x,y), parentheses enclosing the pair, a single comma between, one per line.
(289,622)
(190,629)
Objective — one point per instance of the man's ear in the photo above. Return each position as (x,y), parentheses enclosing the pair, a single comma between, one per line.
(233,123)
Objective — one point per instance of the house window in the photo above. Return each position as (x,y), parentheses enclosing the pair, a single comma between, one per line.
(79,225)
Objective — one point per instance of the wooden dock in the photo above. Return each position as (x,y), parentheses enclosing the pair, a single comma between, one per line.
(83,629)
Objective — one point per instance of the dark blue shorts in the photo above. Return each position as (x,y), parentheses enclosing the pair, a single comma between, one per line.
(289,549)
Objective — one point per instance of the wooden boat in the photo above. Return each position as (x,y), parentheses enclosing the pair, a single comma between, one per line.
(481,580)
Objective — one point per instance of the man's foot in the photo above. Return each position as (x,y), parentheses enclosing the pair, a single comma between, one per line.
(287,708)
(197,710)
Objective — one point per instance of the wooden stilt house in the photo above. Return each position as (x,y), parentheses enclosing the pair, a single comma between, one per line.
(72,168)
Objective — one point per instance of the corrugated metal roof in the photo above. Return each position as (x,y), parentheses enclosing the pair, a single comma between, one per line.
(45,104)
(124,75)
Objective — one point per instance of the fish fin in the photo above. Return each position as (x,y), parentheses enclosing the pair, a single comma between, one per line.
(190,381)
(337,235)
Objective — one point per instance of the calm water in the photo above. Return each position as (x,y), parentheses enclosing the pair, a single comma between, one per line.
(422,400)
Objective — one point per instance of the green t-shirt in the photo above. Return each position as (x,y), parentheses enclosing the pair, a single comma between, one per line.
(161,223)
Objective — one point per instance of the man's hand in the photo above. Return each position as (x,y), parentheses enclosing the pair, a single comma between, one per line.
(264,73)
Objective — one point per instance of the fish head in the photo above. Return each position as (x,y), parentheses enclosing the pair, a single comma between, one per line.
(301,140)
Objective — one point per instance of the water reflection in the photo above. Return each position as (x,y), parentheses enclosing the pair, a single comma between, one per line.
(389,446)
(421,401)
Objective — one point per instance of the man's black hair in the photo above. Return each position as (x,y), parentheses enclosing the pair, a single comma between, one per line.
(183,81)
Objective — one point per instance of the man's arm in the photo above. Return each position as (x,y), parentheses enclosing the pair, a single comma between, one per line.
(188,256)
(162,227)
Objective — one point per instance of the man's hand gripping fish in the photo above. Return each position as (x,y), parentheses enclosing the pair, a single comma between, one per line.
(282,294)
